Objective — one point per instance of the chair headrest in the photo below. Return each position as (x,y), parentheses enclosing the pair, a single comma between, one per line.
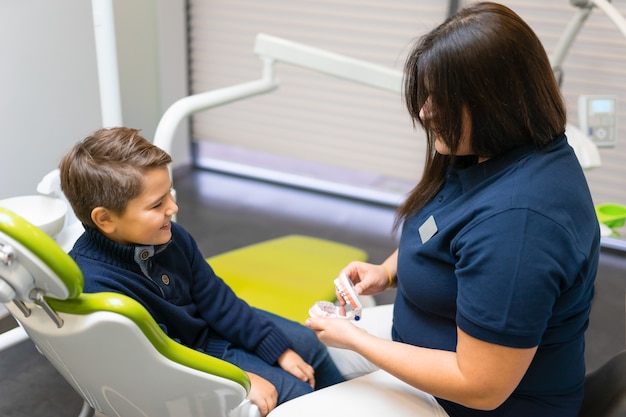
(31,260)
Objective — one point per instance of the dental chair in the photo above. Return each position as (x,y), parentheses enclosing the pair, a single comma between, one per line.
(106,345)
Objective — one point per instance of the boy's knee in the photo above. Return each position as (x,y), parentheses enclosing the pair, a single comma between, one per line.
(305,338)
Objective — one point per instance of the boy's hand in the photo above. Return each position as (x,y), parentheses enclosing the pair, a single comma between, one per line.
(291,362)
(262,393)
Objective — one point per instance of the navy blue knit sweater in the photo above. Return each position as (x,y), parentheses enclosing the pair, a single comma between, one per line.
(180,290)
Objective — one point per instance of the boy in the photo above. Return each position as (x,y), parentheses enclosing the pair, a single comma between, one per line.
(118,185)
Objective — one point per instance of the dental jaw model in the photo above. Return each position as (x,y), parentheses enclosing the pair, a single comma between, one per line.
(352,309)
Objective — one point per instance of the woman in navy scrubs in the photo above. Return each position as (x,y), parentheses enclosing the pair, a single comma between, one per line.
(499,248)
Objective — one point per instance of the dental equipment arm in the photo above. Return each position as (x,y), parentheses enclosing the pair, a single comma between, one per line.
(271,49)
(576,23)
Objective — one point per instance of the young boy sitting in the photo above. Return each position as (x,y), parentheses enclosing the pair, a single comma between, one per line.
(118,185)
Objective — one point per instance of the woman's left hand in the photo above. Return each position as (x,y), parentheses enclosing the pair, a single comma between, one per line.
(335,332)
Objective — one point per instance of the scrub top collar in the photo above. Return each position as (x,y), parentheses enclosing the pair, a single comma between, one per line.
(471,176)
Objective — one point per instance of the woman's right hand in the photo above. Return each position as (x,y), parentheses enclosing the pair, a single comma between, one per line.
(368,279)
(262,393)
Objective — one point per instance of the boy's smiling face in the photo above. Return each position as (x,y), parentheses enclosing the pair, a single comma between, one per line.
(146,220)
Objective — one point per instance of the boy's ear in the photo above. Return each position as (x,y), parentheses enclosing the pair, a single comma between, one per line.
(103,219)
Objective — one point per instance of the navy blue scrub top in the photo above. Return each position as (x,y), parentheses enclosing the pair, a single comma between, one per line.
(508,252)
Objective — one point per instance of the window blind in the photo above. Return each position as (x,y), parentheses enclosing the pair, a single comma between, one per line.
(339,131)
(333,129)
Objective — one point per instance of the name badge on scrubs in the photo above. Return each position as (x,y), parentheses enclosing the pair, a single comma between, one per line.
(428,229)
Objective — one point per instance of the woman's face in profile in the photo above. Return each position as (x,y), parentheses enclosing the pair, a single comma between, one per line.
(464,148)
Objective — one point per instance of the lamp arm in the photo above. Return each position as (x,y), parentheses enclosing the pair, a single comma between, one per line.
(568,36)
(576,23)
(613,14)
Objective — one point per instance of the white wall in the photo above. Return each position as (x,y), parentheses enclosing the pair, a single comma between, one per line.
(49,97)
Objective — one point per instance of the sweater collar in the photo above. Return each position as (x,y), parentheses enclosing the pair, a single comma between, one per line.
(122,255)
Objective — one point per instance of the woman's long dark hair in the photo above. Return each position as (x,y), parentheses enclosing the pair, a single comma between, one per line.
(487,62)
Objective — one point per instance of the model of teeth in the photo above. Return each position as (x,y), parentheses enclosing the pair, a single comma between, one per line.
(352,309)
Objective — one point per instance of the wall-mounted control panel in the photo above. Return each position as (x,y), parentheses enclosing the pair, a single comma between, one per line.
(597,116)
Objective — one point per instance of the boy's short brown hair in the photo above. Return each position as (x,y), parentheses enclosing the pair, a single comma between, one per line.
(106,169)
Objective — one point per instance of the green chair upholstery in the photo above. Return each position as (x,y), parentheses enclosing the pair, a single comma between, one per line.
(106,345)
(611,215)
(286,275)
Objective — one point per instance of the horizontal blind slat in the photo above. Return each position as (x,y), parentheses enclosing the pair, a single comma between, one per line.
(316,118)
